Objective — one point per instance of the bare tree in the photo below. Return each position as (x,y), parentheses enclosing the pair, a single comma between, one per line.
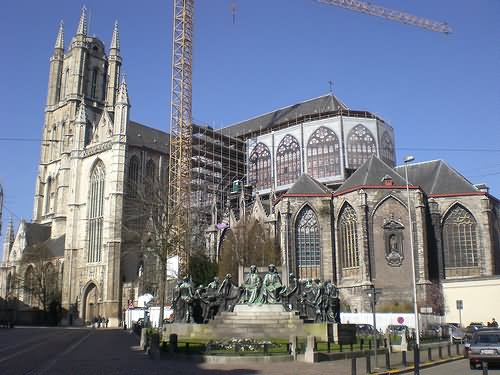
(38,277)
(146,223)
(247,243)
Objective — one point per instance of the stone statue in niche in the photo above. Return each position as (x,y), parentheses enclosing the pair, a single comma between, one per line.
(393,234)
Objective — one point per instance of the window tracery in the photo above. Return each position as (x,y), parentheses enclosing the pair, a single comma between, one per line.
(260,167)
(95,212)
(348,237)
(460,240)
(323,153)
(288,160)
(307,244)
(360,146)
(387,149)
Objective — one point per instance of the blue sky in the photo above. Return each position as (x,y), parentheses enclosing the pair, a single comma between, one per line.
(439,92)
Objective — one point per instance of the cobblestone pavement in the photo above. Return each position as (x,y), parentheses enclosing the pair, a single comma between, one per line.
(64,351)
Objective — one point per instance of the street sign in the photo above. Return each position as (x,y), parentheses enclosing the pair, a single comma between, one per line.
(401,320)
(460,304)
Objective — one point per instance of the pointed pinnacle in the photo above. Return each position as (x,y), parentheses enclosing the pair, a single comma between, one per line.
(81,115)
(123,93)
(115,39)
(82,25)
(60,37)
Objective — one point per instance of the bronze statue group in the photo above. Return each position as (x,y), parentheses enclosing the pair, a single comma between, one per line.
(312,299)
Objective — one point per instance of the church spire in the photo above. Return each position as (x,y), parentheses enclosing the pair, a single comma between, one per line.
(82,25)
(115,40)
(60,37)
(123,93)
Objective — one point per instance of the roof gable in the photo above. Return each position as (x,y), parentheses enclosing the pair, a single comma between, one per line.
(437,177)
(372,173)
(305,184)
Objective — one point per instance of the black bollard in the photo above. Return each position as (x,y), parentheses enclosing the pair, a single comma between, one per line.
(449,349)
(361,342)
(416,359)
(368,363)
(352,347)
(484,365)
(340,347)
(458,348)
(405,362)
(266,349)
(353,366)
(440,351)
(328,346)
(429,354)
(387,359)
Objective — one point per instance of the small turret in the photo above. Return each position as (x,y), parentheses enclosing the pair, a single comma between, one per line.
(114,66)
(60,37)
(80,126)
(115,41)
(82,24)
(121,109)
(8,240)
(56,66)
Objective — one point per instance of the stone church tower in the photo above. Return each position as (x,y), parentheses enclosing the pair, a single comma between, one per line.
(79,187)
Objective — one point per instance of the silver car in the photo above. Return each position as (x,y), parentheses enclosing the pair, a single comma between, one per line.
(484,347)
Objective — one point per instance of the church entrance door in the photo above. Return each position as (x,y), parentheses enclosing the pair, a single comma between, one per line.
(90,310)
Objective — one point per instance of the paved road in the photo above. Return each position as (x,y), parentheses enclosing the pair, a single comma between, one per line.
(63,351)
(460,367)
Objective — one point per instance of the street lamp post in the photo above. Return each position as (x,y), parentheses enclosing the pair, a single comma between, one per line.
(416,352)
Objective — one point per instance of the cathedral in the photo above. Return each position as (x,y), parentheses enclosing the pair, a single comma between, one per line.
(313,187)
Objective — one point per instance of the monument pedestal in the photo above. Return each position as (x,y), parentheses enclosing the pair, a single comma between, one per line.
(258,321)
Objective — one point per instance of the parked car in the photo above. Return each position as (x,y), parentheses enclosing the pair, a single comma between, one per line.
(471,329)
(484,347)
(457,333)
(365,330)
(398,329)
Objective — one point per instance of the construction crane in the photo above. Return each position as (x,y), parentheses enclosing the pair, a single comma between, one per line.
(390,14)
(179,187)
(179,190)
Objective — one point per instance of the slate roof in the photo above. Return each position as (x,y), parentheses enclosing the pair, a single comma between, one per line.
(54,246)
(437,177)
(305,184)
(372,173)
(143,136)
(323,104)
(36,233)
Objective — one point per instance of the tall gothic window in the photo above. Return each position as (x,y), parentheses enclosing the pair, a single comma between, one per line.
(96,211)
(65,90)
(288,160)
(93,84)
(360,146)
(323,154)
(460,241)
(133,176)
(48,191)
(150,178)
(29,284)
(387,149)
(260,167)
(307,248)
(348,238)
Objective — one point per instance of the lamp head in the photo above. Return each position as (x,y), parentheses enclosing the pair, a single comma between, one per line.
(409,158)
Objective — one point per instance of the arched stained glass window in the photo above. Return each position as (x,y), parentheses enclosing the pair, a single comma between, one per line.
(323,153)
(96,212)
(288,160)
(360,146)
(307,244)
(260,167)
(133,176)
(460,243)
(348,238)
(387,149)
